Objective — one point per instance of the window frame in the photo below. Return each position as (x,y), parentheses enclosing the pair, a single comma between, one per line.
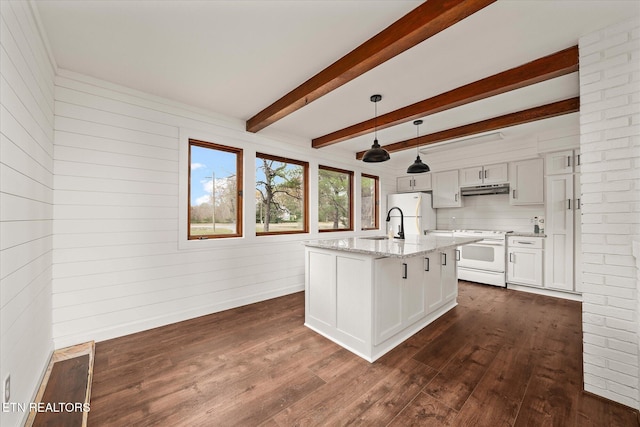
(305,189)
(376,201)
(350,194)
(239,188)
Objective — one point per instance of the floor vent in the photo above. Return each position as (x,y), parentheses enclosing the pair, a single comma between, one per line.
(64,395)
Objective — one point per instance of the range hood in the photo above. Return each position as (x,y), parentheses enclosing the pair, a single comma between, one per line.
(479,190)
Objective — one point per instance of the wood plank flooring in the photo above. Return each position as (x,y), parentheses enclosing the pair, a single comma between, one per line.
(500,358)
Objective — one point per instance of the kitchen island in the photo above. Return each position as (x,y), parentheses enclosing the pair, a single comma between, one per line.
(369,294)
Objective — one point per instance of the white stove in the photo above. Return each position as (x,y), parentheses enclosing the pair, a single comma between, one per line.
(483,261)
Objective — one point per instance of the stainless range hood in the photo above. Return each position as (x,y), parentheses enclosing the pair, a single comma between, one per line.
(479,190)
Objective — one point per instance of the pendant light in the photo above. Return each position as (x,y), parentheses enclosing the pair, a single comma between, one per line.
(376,154)
(418,166)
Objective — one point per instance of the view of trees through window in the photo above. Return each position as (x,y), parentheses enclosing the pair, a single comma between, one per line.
(369,202)
(214,201)
(281,199)
(334,199)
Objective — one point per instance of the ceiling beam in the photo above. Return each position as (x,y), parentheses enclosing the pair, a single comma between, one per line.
(545,68)
(547,111)
(426,20)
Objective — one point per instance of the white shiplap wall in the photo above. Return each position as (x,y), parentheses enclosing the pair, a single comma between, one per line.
(120,263)
(26,204)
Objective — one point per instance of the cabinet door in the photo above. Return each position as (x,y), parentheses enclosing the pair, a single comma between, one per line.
(525,266)
(495,174)
(527,182)
(559,163)
(446,190)
(577,234)
(422,182)
(471,176)
(449,274)
(560,206)
(387,298)
(432,281)
(404,183)
(413,291)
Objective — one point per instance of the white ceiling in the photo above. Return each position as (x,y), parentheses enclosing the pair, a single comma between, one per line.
(237,57)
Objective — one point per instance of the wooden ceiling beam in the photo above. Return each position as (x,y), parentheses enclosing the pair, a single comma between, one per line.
(545,68)
(547,111)
(426,20)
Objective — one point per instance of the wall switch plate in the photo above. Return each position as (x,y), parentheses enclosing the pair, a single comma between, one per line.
(7,389)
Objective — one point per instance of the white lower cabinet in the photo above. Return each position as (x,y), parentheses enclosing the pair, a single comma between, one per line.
(370,305)
(525,260)
(398,296)
(405,290)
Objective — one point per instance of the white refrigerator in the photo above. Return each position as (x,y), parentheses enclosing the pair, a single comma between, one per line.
(417,211)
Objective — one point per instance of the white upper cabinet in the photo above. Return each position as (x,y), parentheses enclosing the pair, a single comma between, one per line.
(490,174)
(446,190)
(417,182)
(567,161)
(527,182)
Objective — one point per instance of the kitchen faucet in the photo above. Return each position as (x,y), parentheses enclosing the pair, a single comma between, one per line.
(401,232)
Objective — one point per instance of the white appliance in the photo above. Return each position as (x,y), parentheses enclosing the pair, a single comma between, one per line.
(417,211)
(483,261)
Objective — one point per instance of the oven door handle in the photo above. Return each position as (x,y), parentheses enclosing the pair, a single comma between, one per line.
(485,243)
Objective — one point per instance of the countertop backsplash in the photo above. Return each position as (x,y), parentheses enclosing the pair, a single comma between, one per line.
(489,212)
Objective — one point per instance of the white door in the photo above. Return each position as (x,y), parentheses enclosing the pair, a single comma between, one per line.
(409,203)
(577,234)
(413,291)
(432,281)
(387,298)
(449,275)
(471,176)
(525,266)
(527,182)
(446,191)
(495,174)
(559,230)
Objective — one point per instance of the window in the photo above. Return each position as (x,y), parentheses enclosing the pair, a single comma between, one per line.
(215,201)
(334,199)
(369,202)
(281,195)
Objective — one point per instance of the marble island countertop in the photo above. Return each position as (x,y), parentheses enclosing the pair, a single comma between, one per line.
(385,247)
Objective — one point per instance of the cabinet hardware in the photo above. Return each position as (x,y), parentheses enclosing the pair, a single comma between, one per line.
(404,270)
(485,174)
(457,254)
(426,264)
(578,162)
(444,258)
(479,174)
(568,204)
(525,243)
(568,161)
(511,257)
(514,194)
(456,197)
(577,203)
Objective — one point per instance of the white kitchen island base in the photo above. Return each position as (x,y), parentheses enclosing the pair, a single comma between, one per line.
(370,304)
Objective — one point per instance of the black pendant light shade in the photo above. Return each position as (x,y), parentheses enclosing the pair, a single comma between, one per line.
(418,166)
(376,153)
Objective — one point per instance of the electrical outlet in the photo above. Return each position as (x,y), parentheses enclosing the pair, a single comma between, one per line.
(7,389)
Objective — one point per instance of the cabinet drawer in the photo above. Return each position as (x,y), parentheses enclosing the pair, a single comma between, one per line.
(525,242)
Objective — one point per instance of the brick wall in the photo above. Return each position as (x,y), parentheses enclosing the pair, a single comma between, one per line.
(610,147)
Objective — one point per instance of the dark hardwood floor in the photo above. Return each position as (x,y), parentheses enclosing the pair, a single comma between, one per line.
(500,358)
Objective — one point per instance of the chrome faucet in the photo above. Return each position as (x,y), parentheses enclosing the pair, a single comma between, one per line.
(401,232)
